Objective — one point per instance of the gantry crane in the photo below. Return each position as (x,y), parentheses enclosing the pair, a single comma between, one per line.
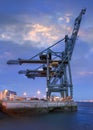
(55,66)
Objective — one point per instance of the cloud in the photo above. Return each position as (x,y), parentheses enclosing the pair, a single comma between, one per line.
(65,18)
(37,34)
(6,54)
(89,53)
(60,19)
(85,73)
(86,34)
(21,34)
(68,14)
(41,34)
(41,31)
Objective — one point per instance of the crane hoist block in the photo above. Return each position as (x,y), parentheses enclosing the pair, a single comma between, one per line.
(44,56)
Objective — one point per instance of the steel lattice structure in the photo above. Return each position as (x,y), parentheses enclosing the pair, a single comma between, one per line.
(55,66)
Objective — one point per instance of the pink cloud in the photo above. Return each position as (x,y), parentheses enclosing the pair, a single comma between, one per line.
(86,34)
(6,54)
(85,73)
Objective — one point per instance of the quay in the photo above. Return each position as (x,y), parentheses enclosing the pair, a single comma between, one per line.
(35,107)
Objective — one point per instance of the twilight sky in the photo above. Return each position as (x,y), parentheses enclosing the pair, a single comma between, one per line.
(29,26)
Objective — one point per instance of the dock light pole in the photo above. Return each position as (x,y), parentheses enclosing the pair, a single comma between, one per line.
(25,94)
(5,93)
(38,93)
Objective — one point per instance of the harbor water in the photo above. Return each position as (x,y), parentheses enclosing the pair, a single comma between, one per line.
(79,120)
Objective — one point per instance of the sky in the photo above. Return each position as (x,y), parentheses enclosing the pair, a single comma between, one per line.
(29,26)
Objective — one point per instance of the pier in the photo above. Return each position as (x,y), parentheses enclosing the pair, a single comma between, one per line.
(35,107)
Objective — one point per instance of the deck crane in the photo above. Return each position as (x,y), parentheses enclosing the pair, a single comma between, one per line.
(55,66)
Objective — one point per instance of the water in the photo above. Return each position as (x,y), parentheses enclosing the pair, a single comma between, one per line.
(80,120)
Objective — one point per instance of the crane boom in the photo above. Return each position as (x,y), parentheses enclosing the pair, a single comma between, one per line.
(70,42)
